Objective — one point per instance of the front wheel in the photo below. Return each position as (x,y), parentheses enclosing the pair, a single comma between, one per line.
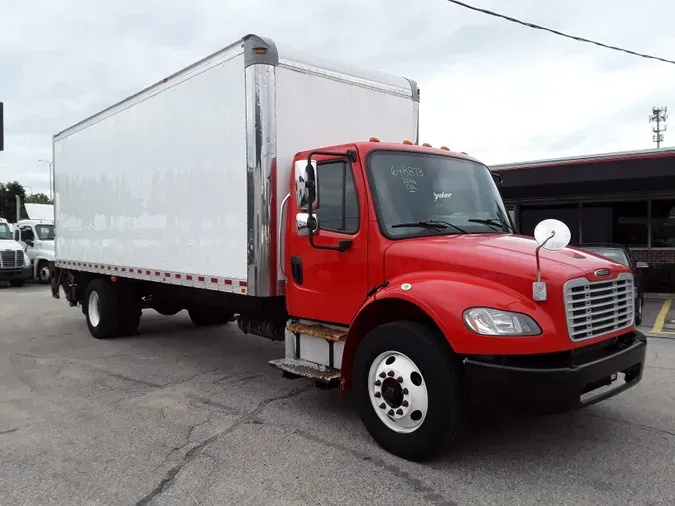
(409,390)
(44,272)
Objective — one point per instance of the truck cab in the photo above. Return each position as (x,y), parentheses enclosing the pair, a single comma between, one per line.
(37,239)
(14,264)
(407,254)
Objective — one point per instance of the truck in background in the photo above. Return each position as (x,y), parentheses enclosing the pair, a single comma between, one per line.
(248,186)
(14,263)
(36,236)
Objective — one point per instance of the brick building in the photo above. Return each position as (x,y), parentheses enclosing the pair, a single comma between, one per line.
(626,198)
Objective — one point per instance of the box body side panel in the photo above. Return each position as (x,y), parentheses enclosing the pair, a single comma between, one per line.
(160,183)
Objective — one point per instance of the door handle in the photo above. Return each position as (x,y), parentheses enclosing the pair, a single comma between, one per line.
(296,269)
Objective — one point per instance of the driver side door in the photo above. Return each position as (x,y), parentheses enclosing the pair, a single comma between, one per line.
(327,285)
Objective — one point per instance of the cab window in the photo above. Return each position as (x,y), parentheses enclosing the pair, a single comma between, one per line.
(338,202)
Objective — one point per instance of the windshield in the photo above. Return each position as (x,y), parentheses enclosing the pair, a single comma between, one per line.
(5,234)
(616,254)
(45,232)
(457,195)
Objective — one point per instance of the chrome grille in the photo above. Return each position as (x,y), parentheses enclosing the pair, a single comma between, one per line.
(599,307)
(10,259)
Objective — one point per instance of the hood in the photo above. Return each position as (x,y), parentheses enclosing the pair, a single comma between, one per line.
(500,257)
(9,244)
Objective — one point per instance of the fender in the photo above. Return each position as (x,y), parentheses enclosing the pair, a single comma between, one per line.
(442,297)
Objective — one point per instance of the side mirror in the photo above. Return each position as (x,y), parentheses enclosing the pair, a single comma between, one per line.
(552,234)
(29,242)
(305,185)
(497,178)
(642,265)
(303,224)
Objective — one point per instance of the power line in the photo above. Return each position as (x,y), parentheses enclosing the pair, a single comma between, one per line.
(556,32)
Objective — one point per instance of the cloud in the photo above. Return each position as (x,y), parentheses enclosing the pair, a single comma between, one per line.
(496,90)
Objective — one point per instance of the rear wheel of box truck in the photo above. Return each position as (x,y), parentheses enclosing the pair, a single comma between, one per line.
(102,308)
(409,390)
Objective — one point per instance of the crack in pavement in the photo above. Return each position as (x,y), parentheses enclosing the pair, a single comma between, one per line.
(196,450)
(627,422)
(427,492)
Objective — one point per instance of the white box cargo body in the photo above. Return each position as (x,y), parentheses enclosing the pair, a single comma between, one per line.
(182,182)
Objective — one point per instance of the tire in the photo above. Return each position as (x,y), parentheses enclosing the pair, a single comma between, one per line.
(638,311)
(130,310)
(17,282)
(102,309)
(420,355)
(203,318)
(44,274)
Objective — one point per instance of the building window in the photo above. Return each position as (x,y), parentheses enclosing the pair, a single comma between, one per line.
(663,223)
(616,222)
(338,201)
(568,214)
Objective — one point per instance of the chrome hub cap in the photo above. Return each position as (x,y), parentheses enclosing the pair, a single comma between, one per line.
(398,392)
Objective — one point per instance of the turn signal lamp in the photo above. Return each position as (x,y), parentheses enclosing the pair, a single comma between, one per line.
(374,139)
(407,142)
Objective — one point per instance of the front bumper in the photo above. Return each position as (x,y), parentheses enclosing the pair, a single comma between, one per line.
(559,381)
(11,274)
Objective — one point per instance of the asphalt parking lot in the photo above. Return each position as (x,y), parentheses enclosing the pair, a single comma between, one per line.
(180,415)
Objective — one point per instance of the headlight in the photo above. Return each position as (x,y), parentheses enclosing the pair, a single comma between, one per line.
(26,260)
(495,322)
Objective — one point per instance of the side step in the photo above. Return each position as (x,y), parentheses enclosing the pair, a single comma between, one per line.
(298,368)
(316,330)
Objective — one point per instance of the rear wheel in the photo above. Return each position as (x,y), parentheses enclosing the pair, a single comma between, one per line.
(203,318)
(102,308)
(130,310)
(409,390)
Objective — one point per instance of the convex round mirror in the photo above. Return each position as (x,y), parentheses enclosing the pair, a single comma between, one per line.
(552,234)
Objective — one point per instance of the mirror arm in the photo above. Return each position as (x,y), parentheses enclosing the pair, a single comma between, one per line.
(536,254)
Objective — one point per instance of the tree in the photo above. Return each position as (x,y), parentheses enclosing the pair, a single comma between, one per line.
(38,198)
(8,193)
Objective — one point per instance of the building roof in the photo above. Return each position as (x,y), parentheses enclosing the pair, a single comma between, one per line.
(586,159)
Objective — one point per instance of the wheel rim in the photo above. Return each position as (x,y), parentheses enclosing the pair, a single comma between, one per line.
(44,273)
(398,392)
(94,309)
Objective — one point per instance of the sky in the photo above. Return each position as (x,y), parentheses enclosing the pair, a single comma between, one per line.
(499,91)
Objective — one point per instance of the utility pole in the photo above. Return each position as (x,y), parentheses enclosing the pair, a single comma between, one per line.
(659,116)
(51,181)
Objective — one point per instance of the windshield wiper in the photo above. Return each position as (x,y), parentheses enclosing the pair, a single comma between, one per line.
(430,225)
(494,223)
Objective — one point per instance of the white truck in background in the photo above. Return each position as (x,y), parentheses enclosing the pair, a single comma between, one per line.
(36,235)
(14,263)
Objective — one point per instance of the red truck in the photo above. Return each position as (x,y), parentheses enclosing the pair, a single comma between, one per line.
(390,269)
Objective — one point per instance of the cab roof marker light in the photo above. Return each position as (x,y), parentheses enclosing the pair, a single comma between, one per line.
(445,148)
(427,145)
(407,142)
(373,139)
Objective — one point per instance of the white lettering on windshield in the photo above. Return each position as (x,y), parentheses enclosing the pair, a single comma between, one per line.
(407,175)
(443,195)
